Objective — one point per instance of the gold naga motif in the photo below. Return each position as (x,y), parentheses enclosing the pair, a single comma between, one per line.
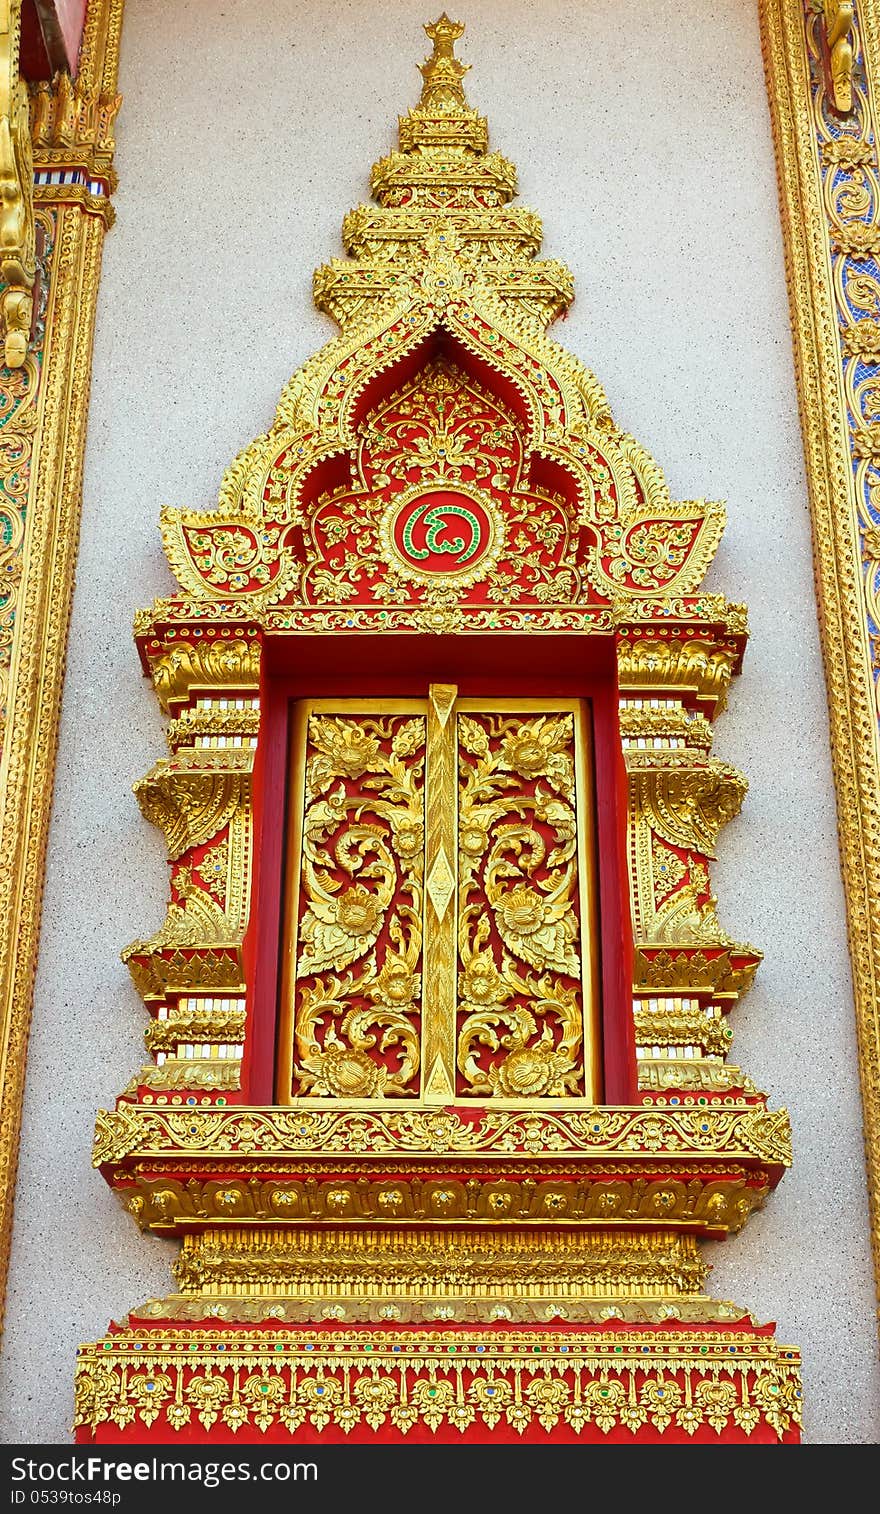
(838,17)
(18,262)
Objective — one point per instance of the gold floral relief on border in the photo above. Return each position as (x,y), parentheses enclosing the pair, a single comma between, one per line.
(828,170)
(43,573)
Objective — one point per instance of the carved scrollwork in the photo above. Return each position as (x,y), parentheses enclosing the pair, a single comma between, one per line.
(253,1134)
(358,968)
(192,796)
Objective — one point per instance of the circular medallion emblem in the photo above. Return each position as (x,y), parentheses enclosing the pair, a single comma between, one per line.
(443,534)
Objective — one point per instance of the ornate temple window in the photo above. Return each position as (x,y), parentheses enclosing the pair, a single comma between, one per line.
(439,1009)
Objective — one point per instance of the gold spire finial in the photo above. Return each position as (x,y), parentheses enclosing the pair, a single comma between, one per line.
(443,72)
(443,161)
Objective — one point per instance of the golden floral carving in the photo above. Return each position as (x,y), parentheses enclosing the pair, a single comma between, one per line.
(198,966)
(518,855)
(192,724)
(213,869)
(362,878)
(668,870)
(189,1073)
(731,1380)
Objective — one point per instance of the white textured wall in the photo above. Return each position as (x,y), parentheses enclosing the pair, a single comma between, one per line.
(641,134)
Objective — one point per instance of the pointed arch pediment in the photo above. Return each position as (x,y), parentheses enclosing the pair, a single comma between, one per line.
(591,486)
(443,270)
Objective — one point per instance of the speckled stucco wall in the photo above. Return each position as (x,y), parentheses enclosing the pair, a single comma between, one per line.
(641,134)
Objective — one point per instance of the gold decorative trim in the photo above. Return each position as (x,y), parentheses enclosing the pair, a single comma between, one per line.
(364,508)
(477,1263)
(819,155)
(441,852)
(41,573)
(746,1130)
(716,1203)
(287,1379)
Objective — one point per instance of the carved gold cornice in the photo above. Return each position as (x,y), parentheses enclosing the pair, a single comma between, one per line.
(442,294)
(714,1204)
(233,663)
(696,665)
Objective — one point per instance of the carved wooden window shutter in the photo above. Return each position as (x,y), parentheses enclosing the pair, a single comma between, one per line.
(441,931)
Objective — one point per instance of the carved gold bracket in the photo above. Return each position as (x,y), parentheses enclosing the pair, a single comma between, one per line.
(837,16)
